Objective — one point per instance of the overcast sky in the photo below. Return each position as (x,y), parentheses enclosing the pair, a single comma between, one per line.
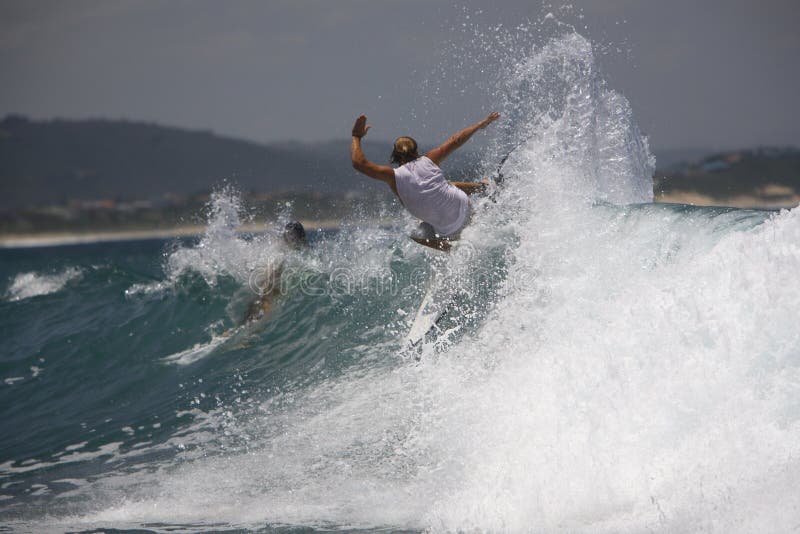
(704,74)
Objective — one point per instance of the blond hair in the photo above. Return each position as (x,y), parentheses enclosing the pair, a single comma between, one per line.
(405,150)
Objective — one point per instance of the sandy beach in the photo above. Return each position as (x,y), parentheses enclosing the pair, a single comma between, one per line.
(783,200)
(50,239)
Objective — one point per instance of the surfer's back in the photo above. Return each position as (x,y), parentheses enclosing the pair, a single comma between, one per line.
(427,195)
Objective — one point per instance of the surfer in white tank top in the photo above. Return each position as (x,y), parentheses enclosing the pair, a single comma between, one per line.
(419,183)
(428,196)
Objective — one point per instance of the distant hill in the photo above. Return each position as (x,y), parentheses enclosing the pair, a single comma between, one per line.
(761,177)
(52,162)
(670,158)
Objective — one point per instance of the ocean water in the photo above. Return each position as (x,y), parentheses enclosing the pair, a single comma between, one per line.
(608,364)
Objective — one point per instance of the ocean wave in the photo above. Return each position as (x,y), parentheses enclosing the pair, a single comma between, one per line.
(627,367)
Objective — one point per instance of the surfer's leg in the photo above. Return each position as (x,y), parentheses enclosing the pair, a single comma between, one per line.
(426,235)
(425,231)
(471,188)
(438,243)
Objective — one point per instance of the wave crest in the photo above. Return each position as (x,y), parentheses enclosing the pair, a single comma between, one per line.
(35,284)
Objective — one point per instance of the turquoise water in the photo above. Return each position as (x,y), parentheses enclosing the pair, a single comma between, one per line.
(98,382)
(608,364)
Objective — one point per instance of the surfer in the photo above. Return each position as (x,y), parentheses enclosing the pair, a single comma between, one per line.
(419,183)
(269,287)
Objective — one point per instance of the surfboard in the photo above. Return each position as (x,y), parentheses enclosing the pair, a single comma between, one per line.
(428,314)
(436,301)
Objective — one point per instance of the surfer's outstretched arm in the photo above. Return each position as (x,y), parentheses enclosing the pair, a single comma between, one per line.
(384,173)
(438,155)
(471,188)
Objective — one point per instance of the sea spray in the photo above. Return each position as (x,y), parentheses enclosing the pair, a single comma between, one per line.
(573,140)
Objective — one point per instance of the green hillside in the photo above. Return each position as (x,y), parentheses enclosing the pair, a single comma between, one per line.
(762,177)
(52,162)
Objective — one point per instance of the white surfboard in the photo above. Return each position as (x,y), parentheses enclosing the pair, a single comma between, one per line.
(424,320)
(433,306)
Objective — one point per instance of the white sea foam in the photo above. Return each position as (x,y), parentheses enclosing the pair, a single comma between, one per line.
(222,252)
(34,284)
(107,450)
(10,381)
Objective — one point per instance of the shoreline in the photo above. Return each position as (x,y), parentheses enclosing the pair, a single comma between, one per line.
(693,198)
(54,239)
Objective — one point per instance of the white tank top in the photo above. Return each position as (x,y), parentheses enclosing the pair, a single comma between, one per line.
(427,195)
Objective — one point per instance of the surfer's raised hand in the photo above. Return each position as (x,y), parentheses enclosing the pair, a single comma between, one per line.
(361,127)
(490,118)
(438,154)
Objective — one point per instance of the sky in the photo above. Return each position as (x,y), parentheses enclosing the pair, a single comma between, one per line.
(712,74)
